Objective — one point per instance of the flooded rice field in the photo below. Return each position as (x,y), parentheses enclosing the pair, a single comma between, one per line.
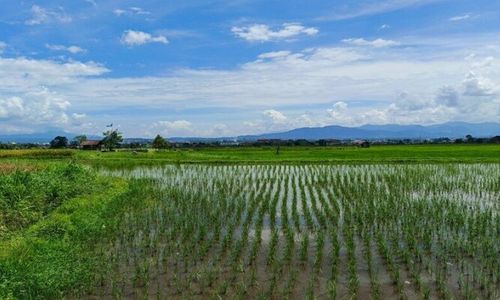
(310,231)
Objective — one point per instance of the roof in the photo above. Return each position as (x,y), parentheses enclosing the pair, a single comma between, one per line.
(90,143)
(359,142)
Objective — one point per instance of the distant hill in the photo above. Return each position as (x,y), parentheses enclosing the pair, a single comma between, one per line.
(371,132)
(391,131)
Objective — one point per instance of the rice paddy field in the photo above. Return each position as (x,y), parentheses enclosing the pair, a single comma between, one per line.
(284,230)
(315,232)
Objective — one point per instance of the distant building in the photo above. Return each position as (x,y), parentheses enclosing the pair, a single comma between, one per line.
(361,144)
(329,142)
(91,145)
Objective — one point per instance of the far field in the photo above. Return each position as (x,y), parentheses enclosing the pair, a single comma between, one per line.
(263,155)
(387,222)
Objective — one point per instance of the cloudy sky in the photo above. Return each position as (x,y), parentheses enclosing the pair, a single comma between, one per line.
(221,67)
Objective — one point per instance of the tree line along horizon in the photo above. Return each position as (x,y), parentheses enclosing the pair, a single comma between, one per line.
(111,139)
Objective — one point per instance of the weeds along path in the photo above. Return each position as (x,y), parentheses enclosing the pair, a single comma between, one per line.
(295,232)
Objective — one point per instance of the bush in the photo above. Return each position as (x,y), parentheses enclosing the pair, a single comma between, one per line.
(26,197)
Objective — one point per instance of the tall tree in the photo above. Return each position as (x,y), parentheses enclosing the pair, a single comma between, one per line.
(59,142)
(160,143)
(112,138)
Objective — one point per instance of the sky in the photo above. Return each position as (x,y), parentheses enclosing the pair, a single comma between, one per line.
(225,68)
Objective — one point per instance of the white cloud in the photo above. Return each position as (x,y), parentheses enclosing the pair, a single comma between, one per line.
(477,86)
(78,116)
(460,18)
(378,43)
(219,129)
(448,96)
(311,76)
(360,8)
(384,26)
(264,33)
(338,107)
(42,15)
(135,38)
(275,54)
(71,49)
(338,113)
(3,46)
(23,74)
(11,107)
(139,11)
(275,116)
(119,12)
(130,11)
(40,107)
(426,84)
(447,103)
(172,128)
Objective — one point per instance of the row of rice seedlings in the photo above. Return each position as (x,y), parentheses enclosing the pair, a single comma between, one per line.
(212,215)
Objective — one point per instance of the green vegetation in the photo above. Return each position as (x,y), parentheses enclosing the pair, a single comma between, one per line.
(160,142)
(48,252)
(26,197)
(112,138)
(353,223)
(267,155)
(229,231)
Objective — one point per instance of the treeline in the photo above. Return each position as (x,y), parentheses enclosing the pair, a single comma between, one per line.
(114,140)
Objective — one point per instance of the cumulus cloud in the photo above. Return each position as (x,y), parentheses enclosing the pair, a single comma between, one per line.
(313,76)
(378,43)
(459,102)
(264,33)
(275,116)
(71,49)
(22,74)
(28,96)
(375,86)
(40,15)
(338,108)
(339,113)
(137,38)
(477,86)
(41,107)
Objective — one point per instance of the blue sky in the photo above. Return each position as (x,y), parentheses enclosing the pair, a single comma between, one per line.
(212,68)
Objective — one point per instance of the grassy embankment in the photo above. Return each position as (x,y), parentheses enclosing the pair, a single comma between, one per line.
(53,219)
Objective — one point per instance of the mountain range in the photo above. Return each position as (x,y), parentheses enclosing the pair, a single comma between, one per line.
(390,131)
(370,132)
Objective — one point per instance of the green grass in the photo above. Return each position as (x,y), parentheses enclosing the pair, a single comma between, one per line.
(267,155)
(58,254)
(298,155)
(27,195)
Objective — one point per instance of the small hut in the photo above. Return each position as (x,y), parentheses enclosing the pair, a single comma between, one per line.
(361,144)
(91,145)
